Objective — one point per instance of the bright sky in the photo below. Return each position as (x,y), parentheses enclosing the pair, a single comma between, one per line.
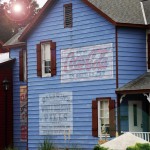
(40,2)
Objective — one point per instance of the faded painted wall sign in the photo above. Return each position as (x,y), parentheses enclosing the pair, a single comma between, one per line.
(87,63)
(23,112)
(55,113)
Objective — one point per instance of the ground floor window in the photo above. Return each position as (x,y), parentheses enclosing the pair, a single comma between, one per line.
(103,117)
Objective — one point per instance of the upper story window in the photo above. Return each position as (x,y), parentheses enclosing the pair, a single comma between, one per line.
(46,59)
(22,65)
(103,117)
(68,15)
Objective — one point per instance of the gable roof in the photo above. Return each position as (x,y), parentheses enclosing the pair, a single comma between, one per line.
(121,11)
(118,12)
(140,84)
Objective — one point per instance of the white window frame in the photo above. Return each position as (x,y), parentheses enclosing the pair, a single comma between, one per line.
(44,74)
(99,119)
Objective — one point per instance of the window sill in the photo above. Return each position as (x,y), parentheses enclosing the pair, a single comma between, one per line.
(104,136)
(46,75)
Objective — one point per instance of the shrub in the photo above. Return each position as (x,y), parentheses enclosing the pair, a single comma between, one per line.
(10,148)
(46,145)
(139,146)
(98,147)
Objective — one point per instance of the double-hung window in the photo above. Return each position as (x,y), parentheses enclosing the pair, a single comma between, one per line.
(103,117)
(46,59)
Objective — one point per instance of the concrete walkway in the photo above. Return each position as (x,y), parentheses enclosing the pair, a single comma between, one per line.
(123,141)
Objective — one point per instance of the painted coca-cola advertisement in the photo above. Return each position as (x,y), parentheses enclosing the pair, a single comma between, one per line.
(87,63)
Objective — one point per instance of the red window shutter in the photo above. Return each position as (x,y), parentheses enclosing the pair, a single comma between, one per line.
(112,119)
(148,41)
(39,63)
(53,58)
(21,65)
(94,119)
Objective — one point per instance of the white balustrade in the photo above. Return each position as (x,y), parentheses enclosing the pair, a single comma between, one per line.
(143,135)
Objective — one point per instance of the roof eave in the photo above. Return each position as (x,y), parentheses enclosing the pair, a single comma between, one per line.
(11,61)
(14,46)
(139,91)
(118,24)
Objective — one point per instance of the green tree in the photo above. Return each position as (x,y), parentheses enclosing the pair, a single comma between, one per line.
(11,22)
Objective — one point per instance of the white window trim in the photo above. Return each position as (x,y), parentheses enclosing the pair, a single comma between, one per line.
(100,135)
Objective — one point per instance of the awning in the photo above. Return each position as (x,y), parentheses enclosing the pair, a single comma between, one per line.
(138,85)
(9,61)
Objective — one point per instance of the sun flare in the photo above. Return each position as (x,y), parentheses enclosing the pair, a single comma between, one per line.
(17,8)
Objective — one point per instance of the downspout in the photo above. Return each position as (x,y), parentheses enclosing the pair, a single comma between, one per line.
(143,12)
(117,81)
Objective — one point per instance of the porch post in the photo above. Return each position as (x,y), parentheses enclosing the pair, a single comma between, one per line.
(118,113)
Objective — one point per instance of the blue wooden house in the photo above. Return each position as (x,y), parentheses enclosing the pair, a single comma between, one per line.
(82,73)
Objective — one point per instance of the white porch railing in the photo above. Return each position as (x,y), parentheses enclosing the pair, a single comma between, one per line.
(143,135)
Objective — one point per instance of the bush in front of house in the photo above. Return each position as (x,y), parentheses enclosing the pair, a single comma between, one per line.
(10,148)
(139,146)
(98,147)
(46,145)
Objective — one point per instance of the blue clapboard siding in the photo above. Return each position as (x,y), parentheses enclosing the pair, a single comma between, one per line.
(131,54)
(14,53)
(132,62)
(88,29)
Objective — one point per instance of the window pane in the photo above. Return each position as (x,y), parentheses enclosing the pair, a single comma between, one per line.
(135,114)
(47,66)
(46,58)
(104,116)
(47,52)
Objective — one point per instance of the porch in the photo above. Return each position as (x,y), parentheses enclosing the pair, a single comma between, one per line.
(133,100)
(143,135)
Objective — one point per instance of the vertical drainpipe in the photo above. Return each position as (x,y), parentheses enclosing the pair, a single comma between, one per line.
(143,12)
(117,82)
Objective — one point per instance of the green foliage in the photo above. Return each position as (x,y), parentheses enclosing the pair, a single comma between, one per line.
(8,26)
(46,145)
(139,146)
(74,147)
(98,147)
(10,148)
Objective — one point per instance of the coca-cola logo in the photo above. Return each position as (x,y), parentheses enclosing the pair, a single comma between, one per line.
(87,63)
(92,60)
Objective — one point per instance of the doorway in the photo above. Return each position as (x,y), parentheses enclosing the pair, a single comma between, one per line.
(135,116)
